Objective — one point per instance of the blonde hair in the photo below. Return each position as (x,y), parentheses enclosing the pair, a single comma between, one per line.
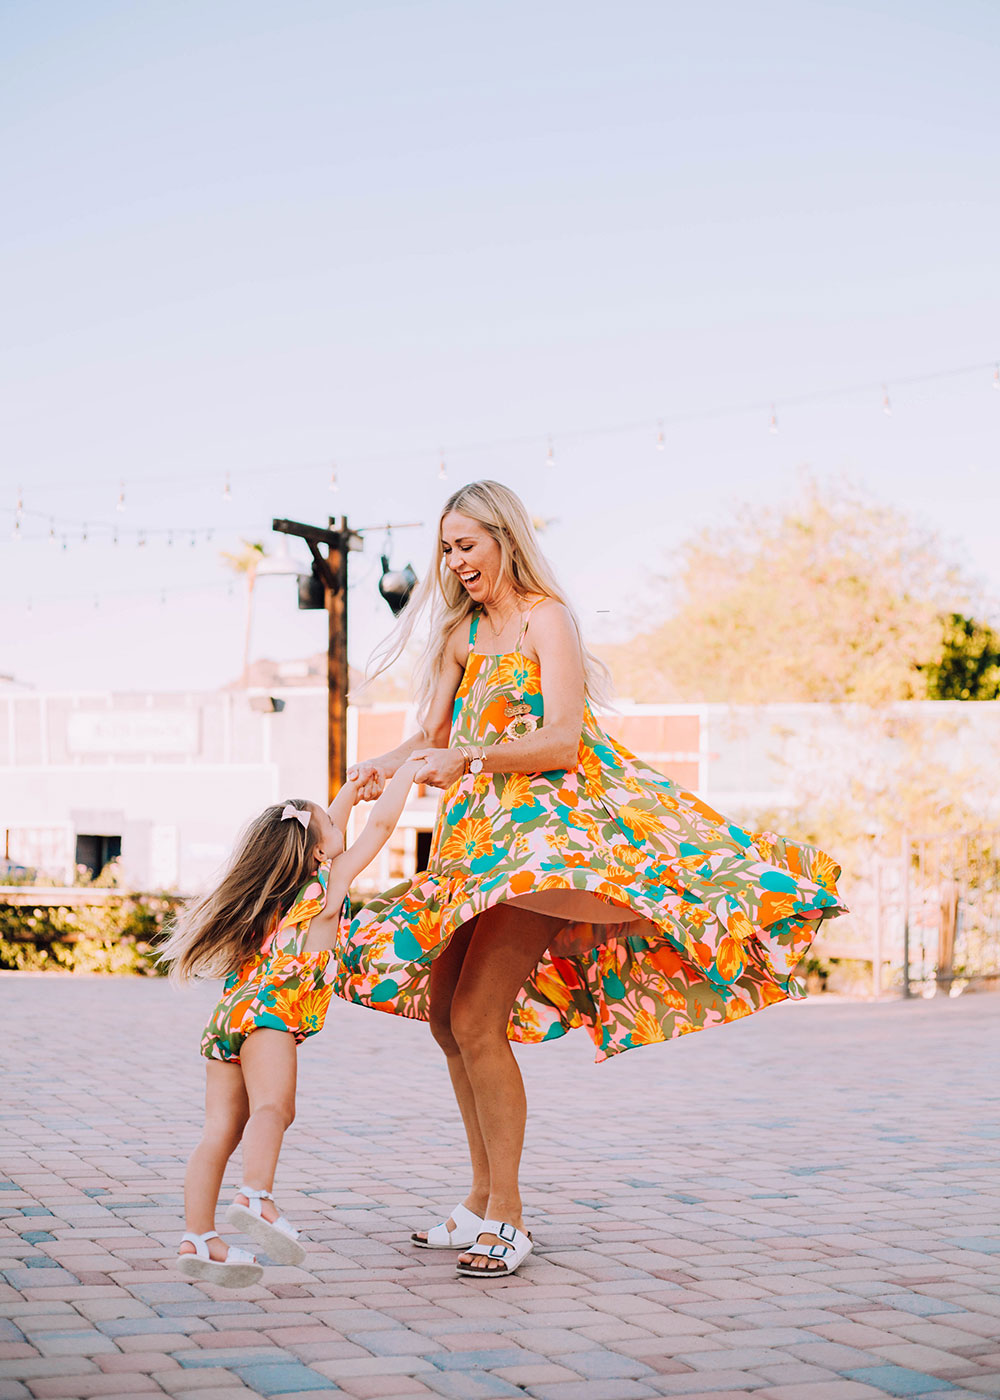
(217,935)
(441,598)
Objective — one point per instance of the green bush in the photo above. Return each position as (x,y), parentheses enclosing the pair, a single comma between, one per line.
(117,937)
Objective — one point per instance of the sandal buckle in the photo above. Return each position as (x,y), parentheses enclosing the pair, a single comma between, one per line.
(509,1238)
(497,1251)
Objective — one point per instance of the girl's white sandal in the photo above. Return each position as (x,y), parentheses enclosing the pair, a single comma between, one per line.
(511,1253)
(468,1227)
(238,1270)
(278,1237)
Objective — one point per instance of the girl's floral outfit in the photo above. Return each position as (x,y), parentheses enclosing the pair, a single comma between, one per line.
(724,912)
(281,988)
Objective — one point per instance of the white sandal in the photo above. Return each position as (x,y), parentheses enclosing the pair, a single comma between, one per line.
(278,1237)
(512,1253)
(238,1270)
(468,1228)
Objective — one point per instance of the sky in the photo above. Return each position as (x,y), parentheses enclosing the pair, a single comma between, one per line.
(248,245)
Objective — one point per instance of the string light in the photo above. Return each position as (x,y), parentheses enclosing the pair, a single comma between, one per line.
(661,441)
(20,504)
(120,503)
(52,532)
(141,541)
(772,422)
(334,483)
(886,404)
(550,456)
(16,533)
(996,376)
(83,536)
(442,468)
(227,490)
(114,535)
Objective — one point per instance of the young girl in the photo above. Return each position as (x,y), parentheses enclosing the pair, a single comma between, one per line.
(268,928)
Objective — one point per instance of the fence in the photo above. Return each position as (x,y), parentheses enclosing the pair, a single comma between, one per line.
(950,910)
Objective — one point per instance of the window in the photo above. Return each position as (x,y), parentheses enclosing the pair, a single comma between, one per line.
(95,852)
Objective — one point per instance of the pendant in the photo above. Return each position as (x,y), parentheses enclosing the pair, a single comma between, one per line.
(515,708)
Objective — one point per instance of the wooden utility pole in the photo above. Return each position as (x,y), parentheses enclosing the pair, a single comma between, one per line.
(330,572)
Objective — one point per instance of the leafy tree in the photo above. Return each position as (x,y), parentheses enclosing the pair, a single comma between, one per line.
(969,665)
(834,597)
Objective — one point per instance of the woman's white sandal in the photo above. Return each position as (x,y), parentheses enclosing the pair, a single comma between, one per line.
(511,1253)
(278,1237)
(468,1228)
(238,1270)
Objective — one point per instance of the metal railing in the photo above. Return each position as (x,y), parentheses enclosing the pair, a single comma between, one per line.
(950,910)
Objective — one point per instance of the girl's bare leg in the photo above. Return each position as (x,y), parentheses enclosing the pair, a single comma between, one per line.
(505,947)
(226,1112)
(268,1060)
(445,972)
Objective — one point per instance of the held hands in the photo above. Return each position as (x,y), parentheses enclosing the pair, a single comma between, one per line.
(439,768)
(370,779)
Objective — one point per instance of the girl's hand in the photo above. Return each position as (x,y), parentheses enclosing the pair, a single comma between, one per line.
(440,768)
(370,779)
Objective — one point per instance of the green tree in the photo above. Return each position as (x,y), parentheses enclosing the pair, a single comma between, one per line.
(833,597)
(969,665)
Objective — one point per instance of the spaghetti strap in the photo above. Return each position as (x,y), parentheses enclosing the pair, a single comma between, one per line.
(473,629)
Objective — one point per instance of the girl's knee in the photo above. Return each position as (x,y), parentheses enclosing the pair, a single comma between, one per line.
(474,1028)
(282,1111)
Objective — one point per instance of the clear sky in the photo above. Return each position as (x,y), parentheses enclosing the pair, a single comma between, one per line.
(266,238)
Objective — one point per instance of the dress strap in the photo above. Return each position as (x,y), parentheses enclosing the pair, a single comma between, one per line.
(473,629)
(524,622)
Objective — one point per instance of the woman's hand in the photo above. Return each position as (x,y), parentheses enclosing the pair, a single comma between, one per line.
(370,778)
(440,768)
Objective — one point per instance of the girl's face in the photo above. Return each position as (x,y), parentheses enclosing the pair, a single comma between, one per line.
(473,556)
(329,839)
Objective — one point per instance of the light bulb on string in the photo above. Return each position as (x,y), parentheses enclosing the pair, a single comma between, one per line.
(442,468)
(227,490)
(83,536)
(772,422)
(886,402)
(996,376)
(334,483)
(194,539)
(661,442)
(550,456)
(170,539)
(20,504)
(120,503)
(141,541)
(114,535)
(16,532)
(64,543)
(52,531)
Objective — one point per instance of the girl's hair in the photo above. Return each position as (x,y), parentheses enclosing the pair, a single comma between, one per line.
(445,603)
(216,935)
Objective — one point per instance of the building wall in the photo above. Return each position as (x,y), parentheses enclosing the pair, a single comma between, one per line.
(176,774)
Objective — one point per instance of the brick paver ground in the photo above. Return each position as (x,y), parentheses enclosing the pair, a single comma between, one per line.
(804,1205)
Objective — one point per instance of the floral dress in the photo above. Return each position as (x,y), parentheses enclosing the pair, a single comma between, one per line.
(724,914)
(281,988)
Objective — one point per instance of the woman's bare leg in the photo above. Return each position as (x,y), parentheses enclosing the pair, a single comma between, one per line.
(269,1063)
(505,947)
(226,1113)
(445,972)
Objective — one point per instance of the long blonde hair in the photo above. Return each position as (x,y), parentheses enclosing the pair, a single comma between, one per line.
(442,600)
(224,928)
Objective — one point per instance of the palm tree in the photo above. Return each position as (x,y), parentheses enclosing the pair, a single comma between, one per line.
(246,561)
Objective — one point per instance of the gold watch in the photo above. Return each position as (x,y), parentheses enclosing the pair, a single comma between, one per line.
(476,764)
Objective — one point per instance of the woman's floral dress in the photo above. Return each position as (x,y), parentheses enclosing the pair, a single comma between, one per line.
(725,913)
(280,988)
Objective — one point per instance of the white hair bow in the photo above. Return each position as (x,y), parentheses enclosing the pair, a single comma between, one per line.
(298,813)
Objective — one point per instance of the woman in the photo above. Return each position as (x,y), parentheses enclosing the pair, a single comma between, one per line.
(569,883)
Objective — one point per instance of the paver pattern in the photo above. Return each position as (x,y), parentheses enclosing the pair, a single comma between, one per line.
(803,1205)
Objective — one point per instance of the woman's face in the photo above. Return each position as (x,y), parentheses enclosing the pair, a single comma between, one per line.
(473,556)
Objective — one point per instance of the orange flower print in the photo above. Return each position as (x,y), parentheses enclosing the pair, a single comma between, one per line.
(824,871)
(739,926)
(470,837)
(675,999)
(590,767)
(764,845)
(628,855)
(640,822)
(554,882)
(516,792)
(521,881)
(552,987)
(696,915)
(774,906)
(647,1029)
(737,1009)
(729,958)
(567,797)
(312,1008)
